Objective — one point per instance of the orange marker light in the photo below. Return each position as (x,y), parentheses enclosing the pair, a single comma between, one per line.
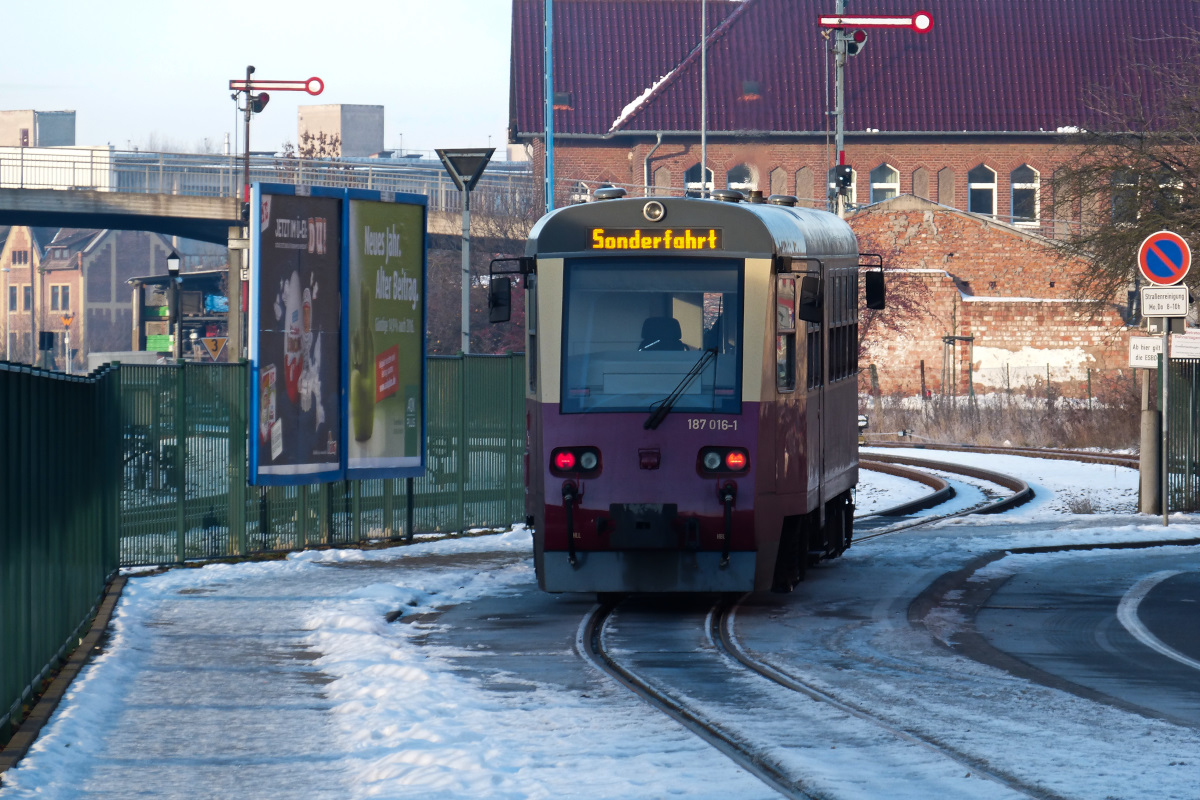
(735,459)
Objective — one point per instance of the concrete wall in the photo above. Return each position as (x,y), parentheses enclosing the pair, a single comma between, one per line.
(55,129)
(44,128)
(359,127)
(12,123)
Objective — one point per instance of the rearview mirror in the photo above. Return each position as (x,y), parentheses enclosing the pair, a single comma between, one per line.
(499,299)
(876,290)
(809,303)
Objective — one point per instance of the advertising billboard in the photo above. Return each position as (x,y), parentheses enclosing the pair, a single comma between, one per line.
(385,348)
(295,336)
(336,334)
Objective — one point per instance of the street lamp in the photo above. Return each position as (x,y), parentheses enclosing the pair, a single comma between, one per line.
(7,335)
(173,316)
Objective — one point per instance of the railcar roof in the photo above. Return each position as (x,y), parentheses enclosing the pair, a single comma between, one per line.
(748,228)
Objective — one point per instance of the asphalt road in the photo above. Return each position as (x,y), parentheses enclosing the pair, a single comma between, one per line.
(1125,623)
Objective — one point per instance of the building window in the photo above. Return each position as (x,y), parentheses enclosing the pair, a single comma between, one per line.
(28,298)
(12,298)
(885,183)
(981,191)
(742,178)
(564,101)
(691,181)
(1124,197)
(1026,204)
(60,297)
(20,256)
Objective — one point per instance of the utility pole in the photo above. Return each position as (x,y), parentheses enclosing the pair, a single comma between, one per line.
(548,113)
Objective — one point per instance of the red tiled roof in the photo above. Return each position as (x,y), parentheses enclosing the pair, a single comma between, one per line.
(987,65)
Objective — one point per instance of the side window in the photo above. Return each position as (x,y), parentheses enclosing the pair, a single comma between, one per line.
(785,333)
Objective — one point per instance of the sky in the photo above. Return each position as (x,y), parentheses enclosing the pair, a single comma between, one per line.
(140,74)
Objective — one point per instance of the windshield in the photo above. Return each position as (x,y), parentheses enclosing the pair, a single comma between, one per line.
(635,328)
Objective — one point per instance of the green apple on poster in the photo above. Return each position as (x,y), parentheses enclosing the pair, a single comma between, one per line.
(386,322)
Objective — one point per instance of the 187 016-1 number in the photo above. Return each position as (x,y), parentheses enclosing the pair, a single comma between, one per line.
(699,424)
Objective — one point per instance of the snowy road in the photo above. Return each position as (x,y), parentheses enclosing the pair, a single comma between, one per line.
(285,679)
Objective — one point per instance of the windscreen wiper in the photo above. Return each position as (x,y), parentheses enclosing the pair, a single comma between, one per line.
(659,410)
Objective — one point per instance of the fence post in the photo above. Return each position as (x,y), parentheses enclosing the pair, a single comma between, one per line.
(388,508)
(409,513)
(179,460)
(509,454)
(238,431)
(462,442)
(356,529)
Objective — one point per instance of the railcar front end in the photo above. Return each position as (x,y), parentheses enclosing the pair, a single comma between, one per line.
(683,431)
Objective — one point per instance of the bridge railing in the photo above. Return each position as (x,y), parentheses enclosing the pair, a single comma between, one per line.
(504,186)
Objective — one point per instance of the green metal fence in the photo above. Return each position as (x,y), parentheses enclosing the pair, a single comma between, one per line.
(58,518)
(185,494)
(1183,436)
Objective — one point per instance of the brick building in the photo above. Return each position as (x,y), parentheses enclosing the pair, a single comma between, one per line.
(974,116)
(55,275)
(1000,314)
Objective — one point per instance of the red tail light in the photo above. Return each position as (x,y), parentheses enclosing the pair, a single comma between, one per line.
(581,461)
(722,460)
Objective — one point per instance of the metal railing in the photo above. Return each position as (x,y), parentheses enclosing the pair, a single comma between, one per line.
(504,185)
(58,519)
(184,490)
(1183,443)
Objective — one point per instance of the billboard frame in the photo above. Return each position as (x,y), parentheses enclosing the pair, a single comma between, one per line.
(328,471)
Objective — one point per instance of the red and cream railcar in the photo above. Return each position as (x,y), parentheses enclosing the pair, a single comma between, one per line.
(691,392)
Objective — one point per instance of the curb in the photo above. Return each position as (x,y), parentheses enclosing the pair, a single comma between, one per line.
(27,734)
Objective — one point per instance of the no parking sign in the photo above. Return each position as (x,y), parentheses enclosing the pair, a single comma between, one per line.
(1164,258)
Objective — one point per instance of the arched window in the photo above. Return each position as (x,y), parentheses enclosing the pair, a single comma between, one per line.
(1026,198)
(691,181)
(885,183)
(981,191)
(742,177)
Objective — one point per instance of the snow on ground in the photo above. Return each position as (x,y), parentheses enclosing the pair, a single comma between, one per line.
(285,678)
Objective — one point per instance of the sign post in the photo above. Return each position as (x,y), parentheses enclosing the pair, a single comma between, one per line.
(1163,259)
(465,168)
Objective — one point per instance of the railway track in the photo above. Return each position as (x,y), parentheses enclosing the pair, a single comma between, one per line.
(916,469)
(638,661)
(792,711)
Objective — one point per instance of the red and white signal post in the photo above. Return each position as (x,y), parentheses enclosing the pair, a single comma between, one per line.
(256,100)
(849,36)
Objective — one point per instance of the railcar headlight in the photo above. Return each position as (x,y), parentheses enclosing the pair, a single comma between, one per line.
(588,460)
(653,211)
(712,460)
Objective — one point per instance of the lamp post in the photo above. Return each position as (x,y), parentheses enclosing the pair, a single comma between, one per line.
(173,317)
(7,335)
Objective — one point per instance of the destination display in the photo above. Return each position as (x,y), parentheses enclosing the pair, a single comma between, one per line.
(668,239)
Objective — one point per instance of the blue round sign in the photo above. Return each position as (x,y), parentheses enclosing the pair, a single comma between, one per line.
(1164,258)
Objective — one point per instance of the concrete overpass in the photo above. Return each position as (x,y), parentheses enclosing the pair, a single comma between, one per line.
(207,219)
